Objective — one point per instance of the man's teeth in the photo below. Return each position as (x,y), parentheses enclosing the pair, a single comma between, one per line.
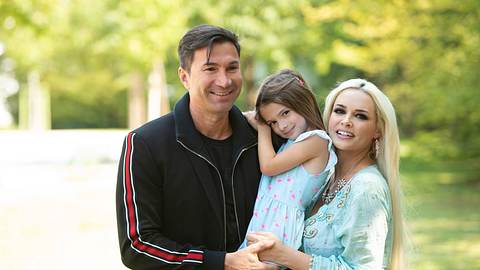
(222,94)
(344,133)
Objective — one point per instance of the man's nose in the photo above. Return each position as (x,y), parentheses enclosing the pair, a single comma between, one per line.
(223,79)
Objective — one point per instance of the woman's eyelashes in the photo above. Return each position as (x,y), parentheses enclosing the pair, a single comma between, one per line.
(339,111)
(361,116)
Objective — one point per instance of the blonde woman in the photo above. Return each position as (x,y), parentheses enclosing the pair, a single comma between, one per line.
(356,222)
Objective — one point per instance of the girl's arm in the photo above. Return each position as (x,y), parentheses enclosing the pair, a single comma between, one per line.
(272,163)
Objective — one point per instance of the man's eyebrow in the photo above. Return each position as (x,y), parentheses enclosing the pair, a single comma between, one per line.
(234,62)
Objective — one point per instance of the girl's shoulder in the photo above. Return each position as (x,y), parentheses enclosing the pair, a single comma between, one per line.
(316,132)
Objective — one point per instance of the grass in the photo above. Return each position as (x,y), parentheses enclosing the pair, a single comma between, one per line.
(442,201)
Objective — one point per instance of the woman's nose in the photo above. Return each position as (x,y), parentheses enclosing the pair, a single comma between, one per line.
(346,121)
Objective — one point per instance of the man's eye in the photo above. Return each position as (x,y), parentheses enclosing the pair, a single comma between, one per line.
(233,69)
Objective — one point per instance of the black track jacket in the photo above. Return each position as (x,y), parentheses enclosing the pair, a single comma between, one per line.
(169,213)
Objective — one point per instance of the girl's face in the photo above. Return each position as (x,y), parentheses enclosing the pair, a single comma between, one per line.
(284,121)
(353,123)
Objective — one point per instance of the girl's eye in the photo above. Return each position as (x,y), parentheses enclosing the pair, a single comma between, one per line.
(285,112)
(272,123)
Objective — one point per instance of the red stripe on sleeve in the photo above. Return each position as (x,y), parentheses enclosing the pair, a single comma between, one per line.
(132,218)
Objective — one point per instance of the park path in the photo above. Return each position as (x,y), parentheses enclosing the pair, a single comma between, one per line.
(57,207)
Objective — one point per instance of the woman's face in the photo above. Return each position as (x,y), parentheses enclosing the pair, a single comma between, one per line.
(353,123)
(284,121)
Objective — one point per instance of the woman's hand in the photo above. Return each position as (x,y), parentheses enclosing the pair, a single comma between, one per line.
(273,254)
(278,253)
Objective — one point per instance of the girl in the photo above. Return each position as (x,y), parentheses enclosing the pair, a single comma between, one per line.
(291,177)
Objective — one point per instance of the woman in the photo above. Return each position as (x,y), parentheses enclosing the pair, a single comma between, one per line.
(356,221)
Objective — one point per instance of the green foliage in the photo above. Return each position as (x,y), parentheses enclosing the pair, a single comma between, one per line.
(441,200)
(423,54)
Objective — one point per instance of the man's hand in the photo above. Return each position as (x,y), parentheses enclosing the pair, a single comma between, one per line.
(247,258)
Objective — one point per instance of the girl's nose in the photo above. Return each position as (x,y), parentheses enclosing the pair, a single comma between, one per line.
(282,125)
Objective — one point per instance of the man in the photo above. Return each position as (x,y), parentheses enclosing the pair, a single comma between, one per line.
(187,181)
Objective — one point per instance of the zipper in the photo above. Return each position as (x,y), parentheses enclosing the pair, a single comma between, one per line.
(223,193)
(233,189)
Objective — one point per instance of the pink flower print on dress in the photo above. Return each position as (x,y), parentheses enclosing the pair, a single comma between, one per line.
(270,187)
(277,225)
(285,235)
(255,214)
(266,209)
(293,196)
(275,196)
(289,180)
(286,217)
(263,226)
(279,180)
(275,209)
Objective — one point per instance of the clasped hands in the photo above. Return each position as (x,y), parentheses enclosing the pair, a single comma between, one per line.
(260,254)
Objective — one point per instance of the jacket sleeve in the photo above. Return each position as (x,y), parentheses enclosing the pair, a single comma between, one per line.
(139,217)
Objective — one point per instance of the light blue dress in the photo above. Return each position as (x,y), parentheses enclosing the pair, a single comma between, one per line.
(354,231)
(282,199)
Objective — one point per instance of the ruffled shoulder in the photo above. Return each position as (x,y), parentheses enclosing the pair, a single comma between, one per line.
(321,133)
(332,159)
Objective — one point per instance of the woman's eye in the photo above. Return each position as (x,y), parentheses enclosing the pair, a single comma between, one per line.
(338,111)
(362,116)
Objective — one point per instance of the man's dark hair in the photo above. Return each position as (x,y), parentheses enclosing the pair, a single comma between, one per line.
(202,36)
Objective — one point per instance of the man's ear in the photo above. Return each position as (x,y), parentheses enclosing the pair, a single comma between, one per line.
(184,77)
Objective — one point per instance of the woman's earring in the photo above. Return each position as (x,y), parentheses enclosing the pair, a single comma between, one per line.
(377,148)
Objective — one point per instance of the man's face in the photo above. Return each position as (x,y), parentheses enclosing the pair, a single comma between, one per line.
(214,85)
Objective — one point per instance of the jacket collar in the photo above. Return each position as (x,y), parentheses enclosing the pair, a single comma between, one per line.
(243,134)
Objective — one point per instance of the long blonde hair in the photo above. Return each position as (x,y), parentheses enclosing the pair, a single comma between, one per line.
(388,158)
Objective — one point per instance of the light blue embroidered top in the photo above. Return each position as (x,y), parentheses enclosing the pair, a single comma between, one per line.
(354,231)
(282,199)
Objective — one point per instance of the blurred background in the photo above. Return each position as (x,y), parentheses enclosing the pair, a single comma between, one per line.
(75,76)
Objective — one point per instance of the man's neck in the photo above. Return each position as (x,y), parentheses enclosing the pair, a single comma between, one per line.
(213,126)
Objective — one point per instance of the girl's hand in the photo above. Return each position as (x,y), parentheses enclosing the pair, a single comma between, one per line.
(250,115)
(272,254)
